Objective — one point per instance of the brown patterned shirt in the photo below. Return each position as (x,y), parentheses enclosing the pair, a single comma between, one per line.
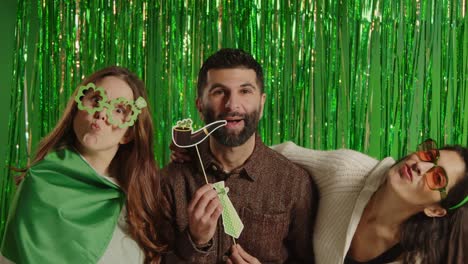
(276,200)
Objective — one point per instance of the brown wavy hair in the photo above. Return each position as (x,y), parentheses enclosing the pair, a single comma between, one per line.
(133,166)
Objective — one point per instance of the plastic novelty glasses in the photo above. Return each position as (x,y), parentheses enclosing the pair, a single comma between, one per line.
(436,177)
(120,112)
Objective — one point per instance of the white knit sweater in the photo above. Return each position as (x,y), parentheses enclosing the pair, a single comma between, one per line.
(346,180)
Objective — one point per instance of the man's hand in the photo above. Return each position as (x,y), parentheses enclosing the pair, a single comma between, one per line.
(179,155)
(239,256)
(203,213)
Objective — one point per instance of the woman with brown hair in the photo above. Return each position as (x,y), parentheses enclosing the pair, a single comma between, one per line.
(91,194)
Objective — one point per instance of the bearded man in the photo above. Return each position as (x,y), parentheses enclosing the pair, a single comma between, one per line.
(275,199)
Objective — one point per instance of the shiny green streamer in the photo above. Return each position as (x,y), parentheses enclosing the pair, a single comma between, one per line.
(370,75)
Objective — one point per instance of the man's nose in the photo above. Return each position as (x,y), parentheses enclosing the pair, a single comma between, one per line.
(233,102)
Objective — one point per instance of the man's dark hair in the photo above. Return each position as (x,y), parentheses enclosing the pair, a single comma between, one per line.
(229,59)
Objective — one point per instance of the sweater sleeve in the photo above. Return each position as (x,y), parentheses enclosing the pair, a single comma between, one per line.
(338,167)
(340,176)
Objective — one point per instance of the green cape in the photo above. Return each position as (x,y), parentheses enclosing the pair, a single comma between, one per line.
(63,212)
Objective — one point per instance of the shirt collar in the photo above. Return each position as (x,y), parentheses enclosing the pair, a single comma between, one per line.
(251,168)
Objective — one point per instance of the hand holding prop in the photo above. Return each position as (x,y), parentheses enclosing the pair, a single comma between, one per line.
(183,137)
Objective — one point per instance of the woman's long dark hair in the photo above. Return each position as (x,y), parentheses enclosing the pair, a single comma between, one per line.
(427,239)
(133,166)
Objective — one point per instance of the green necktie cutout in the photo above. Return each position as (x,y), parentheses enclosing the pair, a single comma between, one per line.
(231,221)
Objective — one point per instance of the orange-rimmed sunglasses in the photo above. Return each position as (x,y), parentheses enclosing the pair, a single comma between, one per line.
(436,177)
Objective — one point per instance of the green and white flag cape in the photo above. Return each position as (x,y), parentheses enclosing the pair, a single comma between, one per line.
(63,212)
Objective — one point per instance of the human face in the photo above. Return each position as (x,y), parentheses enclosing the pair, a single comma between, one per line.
(93,131)
(408,177)
(436,177)
(232,95)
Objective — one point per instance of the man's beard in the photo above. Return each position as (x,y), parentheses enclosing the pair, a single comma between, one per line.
(232,139)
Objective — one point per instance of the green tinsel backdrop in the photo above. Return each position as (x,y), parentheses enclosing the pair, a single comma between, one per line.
(370,75)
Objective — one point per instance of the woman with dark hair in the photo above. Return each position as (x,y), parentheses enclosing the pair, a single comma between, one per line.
(91,193)
(374,211)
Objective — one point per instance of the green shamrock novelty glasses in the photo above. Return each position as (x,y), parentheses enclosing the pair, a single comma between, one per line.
(120,112)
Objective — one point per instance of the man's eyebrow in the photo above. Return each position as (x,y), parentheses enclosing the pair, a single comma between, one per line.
(220,85)
(216,85)
(248,85)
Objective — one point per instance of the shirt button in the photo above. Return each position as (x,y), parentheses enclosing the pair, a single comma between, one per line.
(214,168)
(225,258)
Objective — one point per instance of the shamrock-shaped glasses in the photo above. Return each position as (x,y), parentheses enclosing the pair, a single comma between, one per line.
(120,112)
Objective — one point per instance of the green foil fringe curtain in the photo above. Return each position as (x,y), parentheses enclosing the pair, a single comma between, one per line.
(370,75)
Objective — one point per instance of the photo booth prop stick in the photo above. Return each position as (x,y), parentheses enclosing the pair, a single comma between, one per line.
(183,137)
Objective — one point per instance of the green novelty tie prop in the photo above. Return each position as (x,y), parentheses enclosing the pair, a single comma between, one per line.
(183,137)
(231,221)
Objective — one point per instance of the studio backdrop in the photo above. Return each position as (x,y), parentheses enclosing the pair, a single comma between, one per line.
(370,75)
